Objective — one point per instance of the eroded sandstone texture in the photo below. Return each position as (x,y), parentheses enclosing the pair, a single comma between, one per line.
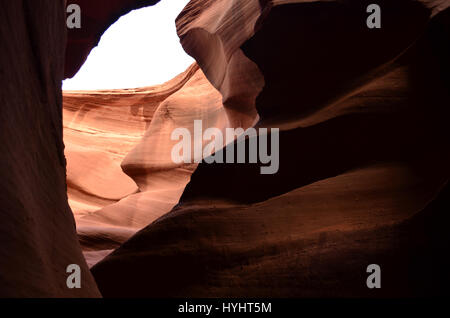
(363,157)
(364,154)
(120,173)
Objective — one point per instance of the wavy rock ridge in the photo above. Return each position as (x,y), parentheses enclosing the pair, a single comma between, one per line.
(364,154)
(362,157)
(120,178)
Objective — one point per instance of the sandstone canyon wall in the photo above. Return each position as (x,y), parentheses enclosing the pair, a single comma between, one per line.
(118,145)
(363,157)
(364,154)
(37,228)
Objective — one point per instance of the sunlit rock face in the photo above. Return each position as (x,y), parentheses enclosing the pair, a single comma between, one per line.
(363,157)
(120,172)
(37,228)
(100,129)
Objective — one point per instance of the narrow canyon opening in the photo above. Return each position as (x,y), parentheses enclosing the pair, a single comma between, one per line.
(141,49)
(108,107)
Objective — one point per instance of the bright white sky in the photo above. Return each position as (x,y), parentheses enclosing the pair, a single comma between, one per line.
(140,49)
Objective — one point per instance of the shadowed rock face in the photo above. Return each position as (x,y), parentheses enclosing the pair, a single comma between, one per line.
(37,228)
(363,157)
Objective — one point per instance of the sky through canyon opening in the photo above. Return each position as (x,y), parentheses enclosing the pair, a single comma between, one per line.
(141,49)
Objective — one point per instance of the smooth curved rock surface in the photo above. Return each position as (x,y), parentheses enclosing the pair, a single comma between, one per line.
(37,228)
(119,178)
(363,154)
(100,129)
(363,157)
(213,33)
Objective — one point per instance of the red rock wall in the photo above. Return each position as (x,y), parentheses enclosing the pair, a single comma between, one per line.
(37,228)
(120,173)
(363,158)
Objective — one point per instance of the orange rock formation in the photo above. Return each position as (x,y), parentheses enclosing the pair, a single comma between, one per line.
(364,154)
